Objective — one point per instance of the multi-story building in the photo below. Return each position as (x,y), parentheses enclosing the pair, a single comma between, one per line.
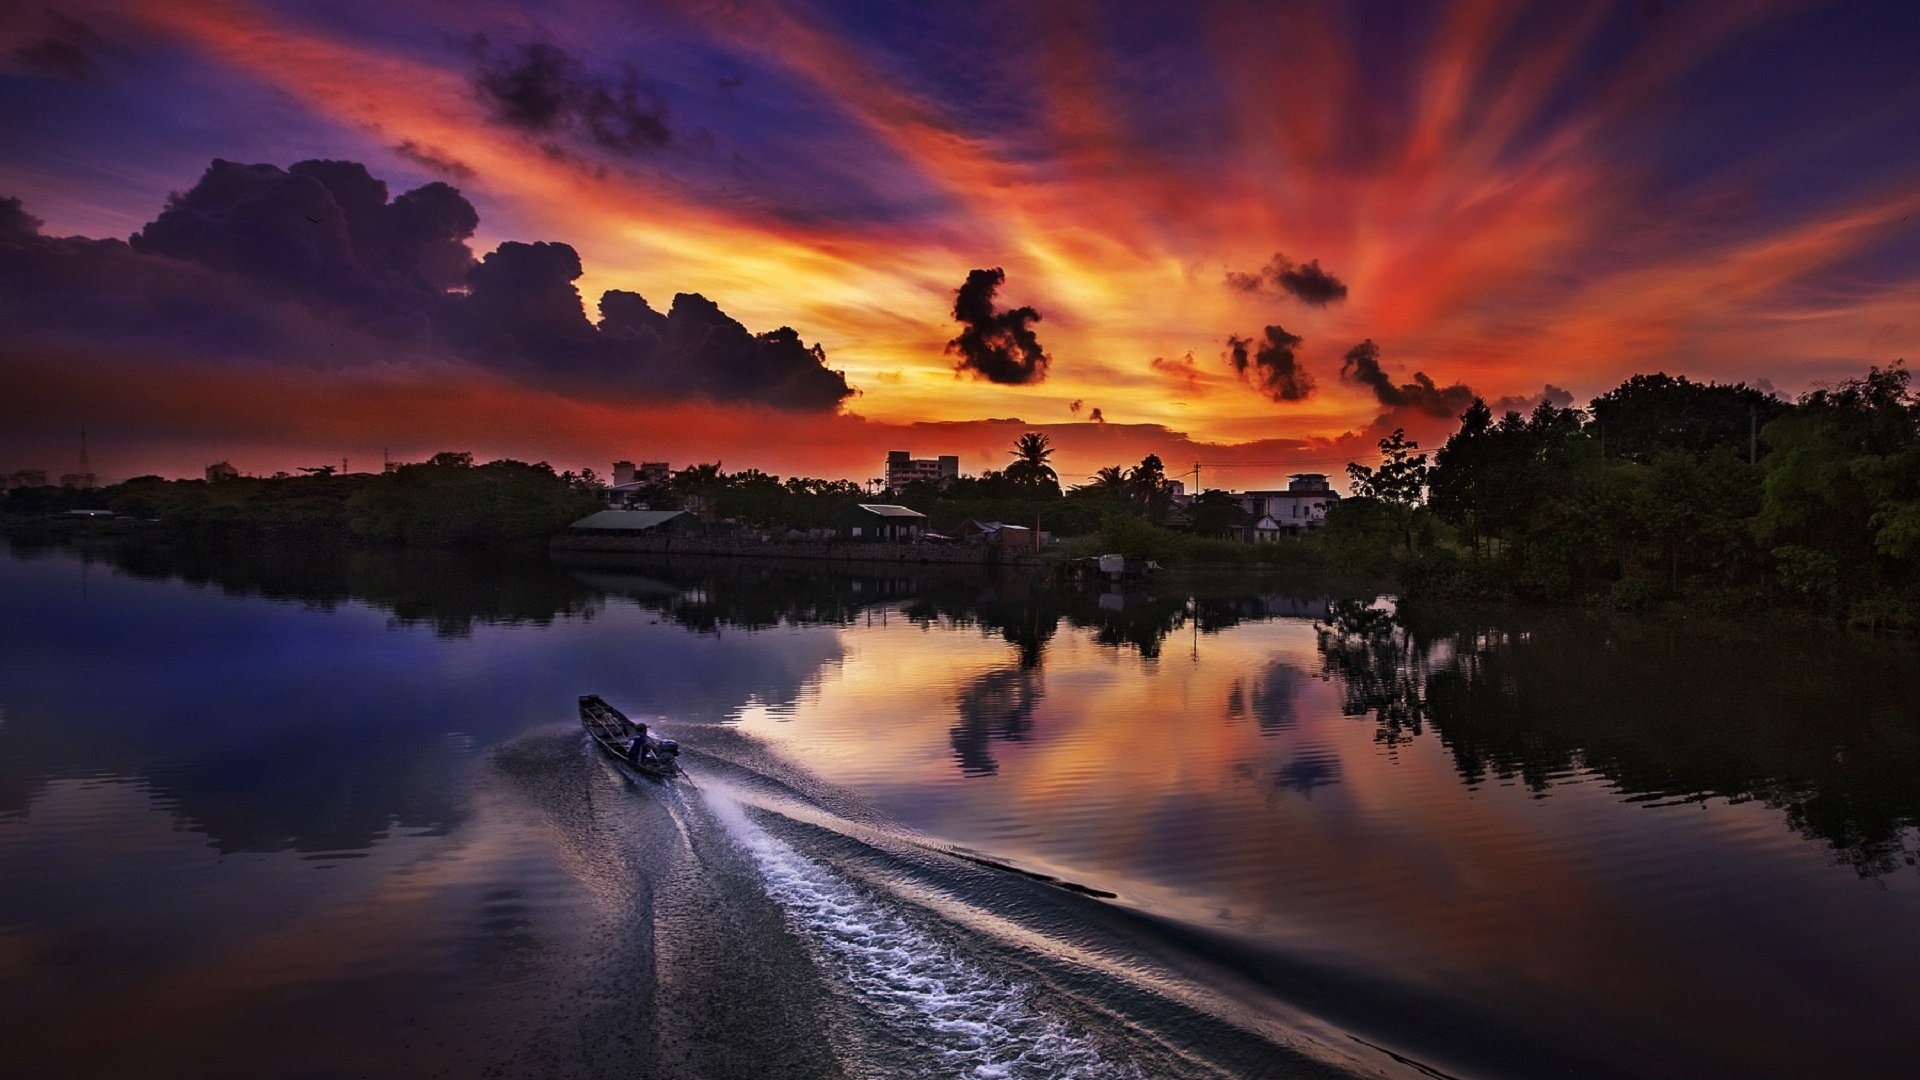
(903,469)
(647,472)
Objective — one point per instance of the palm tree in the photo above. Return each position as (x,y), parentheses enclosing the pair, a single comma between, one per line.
(1032,449)
(1111,480)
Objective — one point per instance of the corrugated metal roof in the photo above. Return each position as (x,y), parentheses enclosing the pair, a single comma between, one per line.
(626,519)
(889,510)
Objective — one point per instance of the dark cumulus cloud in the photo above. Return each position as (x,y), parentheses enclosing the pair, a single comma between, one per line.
(703,352)
(545,91)
(1526,403)
(1306,283)
(316,262)
(1361,366)
(66,49)
(309,265)
(18,227)
(321,228)
(999,346)
(1272,364)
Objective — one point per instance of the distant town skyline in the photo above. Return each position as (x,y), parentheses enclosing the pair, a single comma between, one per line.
(1255,238)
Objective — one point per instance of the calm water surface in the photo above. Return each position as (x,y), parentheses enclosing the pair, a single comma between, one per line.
(319,814)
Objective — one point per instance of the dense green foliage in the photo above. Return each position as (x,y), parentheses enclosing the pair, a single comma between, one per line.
(1666,492)
(451,502)
(1669,491)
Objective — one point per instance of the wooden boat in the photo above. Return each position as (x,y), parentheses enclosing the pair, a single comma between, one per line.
(613,731)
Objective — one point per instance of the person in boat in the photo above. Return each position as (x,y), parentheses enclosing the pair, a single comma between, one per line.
(640,747)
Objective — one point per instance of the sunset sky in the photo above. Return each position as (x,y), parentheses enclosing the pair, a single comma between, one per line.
(1508,199)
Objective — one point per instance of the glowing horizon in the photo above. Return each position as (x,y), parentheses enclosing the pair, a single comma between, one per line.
(1515,196)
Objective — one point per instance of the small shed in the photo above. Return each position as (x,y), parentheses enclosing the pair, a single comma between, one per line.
(636,523)
(884,522)
(1014,536)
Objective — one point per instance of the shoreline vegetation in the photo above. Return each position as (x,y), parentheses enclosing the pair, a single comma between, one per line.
(1665,494)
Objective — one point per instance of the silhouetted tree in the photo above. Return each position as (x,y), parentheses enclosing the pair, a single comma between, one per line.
(1399,483)
(1030,469)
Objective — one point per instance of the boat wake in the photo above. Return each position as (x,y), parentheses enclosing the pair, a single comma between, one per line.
(764,922)
(953,1018)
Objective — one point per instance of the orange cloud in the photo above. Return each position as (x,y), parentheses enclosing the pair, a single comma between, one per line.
(1503,214)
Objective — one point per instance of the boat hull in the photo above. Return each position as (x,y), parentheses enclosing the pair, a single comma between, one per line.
(611,729)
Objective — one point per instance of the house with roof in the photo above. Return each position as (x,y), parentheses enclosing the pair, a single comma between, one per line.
(883,522)
(1301,507)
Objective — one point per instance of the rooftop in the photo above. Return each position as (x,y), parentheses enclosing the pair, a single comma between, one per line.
(626,519)
(890,510)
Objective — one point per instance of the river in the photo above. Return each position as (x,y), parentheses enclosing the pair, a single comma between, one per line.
(274,812)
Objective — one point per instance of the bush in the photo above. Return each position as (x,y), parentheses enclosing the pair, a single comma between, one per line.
(1813,574)
(1633,594)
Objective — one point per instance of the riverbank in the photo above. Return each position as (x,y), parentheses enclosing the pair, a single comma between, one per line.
(845,553)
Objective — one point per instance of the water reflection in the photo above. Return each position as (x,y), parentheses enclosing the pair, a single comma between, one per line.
(1822,727)
(450,592)
(1311,767)
(1379,666)
(1424,799)
(1267,696)
(1027,613)
(998,704)
(349,709)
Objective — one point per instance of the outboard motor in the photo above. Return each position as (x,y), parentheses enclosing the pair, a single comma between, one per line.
(666,748)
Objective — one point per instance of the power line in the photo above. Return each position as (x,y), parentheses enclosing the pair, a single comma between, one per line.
(1281,464)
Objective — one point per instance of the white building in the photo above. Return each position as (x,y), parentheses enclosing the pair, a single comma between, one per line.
(1302,506)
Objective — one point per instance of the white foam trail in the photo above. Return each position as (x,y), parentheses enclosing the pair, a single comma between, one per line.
(966,1022)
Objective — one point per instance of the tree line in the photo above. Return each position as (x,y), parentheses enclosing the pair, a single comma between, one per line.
(1664,491)
(446,501)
